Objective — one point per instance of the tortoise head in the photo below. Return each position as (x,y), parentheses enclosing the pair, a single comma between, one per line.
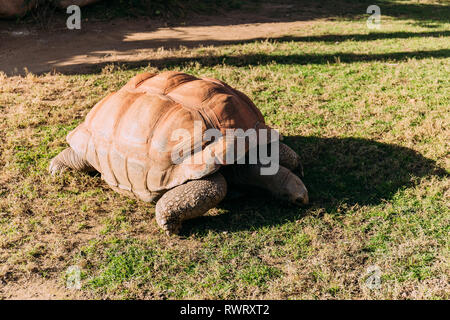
(284,184)
(294,190)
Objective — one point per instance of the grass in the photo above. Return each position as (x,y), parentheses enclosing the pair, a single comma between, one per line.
(368,112)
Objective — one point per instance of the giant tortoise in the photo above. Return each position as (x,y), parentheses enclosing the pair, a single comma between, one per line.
(129,138)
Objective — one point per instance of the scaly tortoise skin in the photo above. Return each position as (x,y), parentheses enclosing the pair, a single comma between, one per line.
(127,138)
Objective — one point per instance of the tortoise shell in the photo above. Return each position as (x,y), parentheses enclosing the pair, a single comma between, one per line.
(128,135)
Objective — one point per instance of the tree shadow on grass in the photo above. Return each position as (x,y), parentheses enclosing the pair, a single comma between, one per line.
(288,59)
(338,171)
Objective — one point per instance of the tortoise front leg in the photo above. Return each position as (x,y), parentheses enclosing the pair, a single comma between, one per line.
(290,159)
(188,201)
(68,159)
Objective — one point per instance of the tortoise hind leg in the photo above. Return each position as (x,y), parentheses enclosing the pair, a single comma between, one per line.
(188,201)
(68,159)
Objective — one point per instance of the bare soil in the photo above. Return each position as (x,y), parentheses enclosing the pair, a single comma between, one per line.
(123,40)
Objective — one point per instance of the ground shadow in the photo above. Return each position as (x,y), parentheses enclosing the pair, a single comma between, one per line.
(363,37)
(291,10)
(264,59)
(337,171)
(255,59)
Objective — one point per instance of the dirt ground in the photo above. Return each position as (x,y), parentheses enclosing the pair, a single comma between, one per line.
(123,40)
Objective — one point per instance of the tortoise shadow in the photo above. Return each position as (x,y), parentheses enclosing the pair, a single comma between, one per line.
(337,171)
